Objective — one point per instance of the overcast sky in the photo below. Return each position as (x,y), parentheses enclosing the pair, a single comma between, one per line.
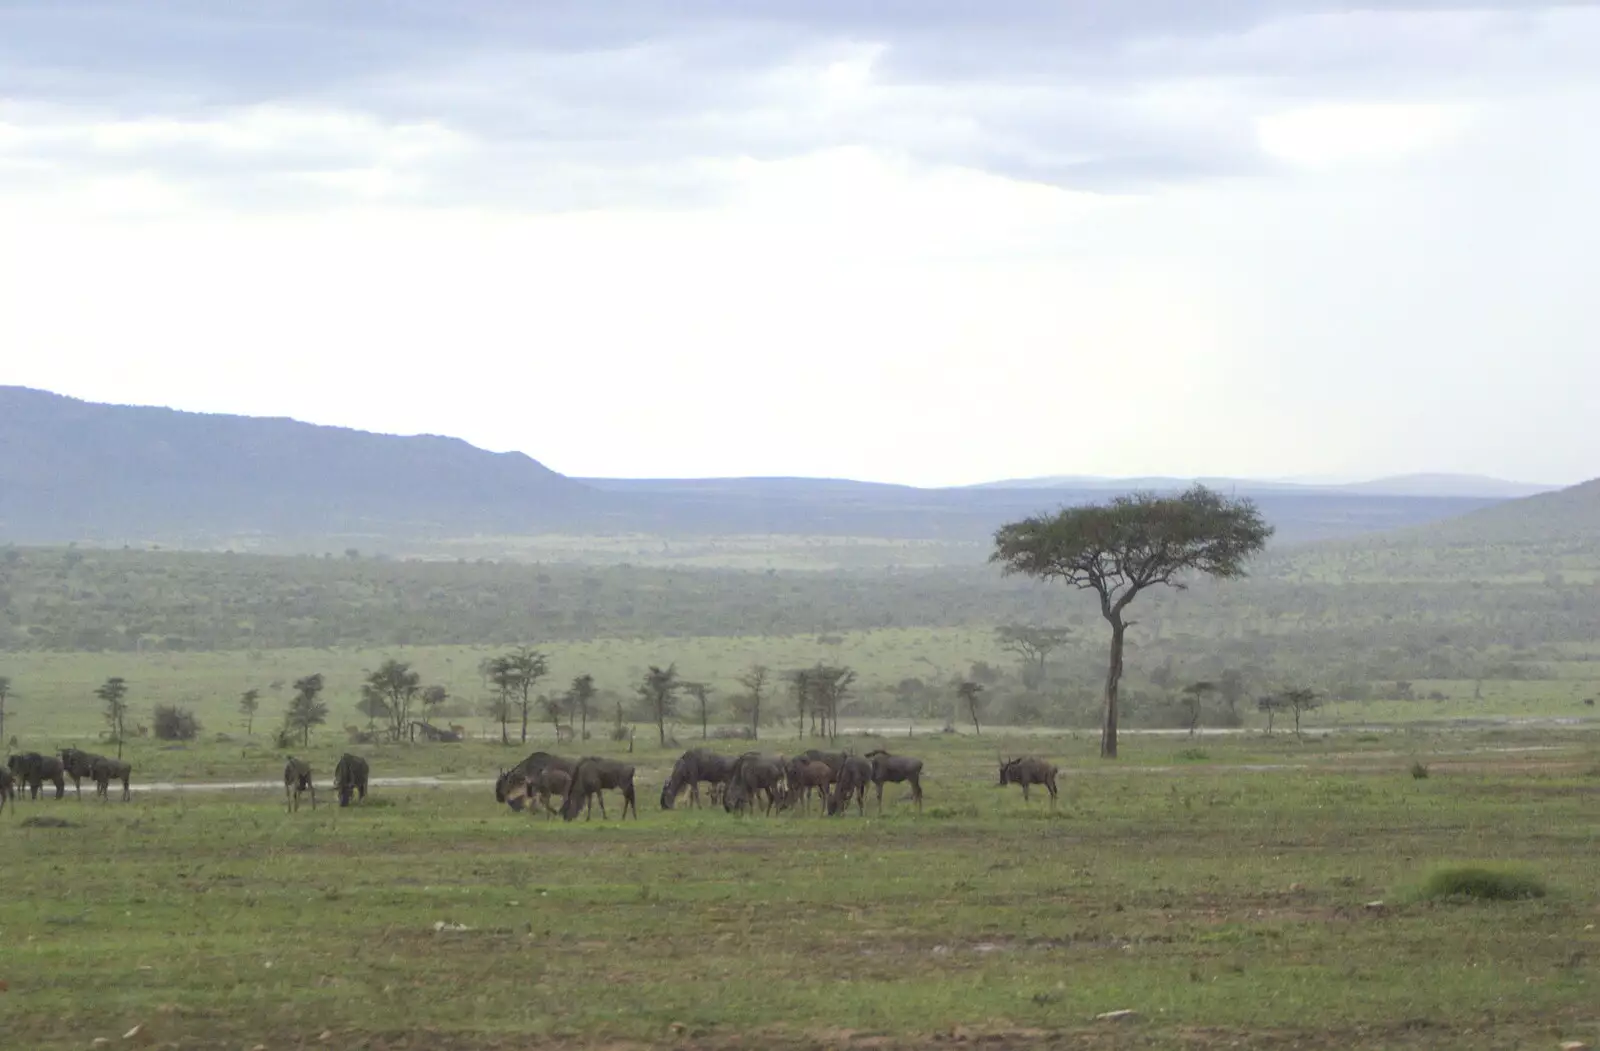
(913,240)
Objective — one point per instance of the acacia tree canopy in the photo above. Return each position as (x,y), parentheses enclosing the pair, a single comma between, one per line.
(1127,545)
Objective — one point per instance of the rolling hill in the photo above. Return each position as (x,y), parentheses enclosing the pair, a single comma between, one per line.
(77,471)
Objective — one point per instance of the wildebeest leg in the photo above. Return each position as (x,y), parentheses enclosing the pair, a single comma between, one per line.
(127,792)
(1052,789)
(628,801)
(313,787)
(880,798)
(916,791)
(602,797)
(1024,791)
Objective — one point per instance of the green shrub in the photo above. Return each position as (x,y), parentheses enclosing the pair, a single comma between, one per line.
(1419,770)
(1482,883)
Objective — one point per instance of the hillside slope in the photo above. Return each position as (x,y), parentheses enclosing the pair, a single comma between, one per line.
(79,470)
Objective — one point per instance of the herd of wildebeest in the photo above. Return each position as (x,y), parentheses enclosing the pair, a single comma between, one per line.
(740,783)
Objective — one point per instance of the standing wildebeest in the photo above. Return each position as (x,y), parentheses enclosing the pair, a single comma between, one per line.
(297,779)
(32,770)
(8,789)
(78,764)
(1029,770)
(803,776)
(350,775)
(753,775)
(897,768)
(589,777)
(521,790)
(854,774)
(529,768)
(694,766)
(104,771)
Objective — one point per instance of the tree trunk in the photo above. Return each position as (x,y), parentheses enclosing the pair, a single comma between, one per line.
(755,718)
(524,722)
(1108,732)
(705,725)
(585,716)
(976,729)
(661,724)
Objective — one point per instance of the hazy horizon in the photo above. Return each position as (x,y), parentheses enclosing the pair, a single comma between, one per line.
(926,244)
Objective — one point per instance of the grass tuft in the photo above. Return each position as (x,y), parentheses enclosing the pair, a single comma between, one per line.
(1419,770)
(1481,883)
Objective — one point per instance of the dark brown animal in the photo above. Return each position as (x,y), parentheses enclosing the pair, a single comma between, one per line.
(1029,770)
(529,768)
(104,771)
(754,775)
(32,770)
(78,764)
(694,766)
(8,790)
(896,768)
(589,778)
(350,776)
(522,790)
(297,779)
(854,776)
(803,777)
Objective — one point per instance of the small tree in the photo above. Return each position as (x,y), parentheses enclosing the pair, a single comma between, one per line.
(389,694)
(829,686)
(499,677)
(249,704)
(521,670)
(970,692)
(1193,698)
(1299,701)
(1231,688)
(1268,706)
(1033,645)
(659,690)
(800,685)
(113,693)
(553,710)
(580,695)
(306,708)
(1127,546)
(755,683)
(175,724)
(702,695)
(433,699)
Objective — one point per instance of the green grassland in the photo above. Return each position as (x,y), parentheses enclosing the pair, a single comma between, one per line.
(1225,906)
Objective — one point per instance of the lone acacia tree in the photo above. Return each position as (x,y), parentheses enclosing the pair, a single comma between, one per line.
(1132,543)
(1033,645)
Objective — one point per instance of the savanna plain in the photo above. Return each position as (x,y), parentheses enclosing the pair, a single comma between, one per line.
(1414,869)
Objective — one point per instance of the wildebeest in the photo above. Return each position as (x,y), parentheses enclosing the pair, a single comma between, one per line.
(297,779)
(854,774)
(8,789)
(589,778)
(78,764)
(350,776)
(896,768)
(753,775)
(521,790)
(529,768)
(32,770)
(105,770)
(694,766)
(1029,770)
(803,776)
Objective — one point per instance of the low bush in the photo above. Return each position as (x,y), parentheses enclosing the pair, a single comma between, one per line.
(1482,883)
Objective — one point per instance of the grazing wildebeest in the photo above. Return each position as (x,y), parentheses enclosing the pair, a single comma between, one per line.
(297,779)
(854,774)
(105,770)
(804,776)
(350,775)
(78,764)
(694,766)
(589,777)
(529,768)
(834,759)
(32,770)
(522,790)
(753,775)
(1029,770)
(8,789)
(896,768)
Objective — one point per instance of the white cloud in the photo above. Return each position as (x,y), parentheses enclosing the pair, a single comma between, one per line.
(1329,250)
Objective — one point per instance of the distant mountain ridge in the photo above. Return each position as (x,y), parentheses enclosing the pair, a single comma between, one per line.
(73,470)
(1435,484)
